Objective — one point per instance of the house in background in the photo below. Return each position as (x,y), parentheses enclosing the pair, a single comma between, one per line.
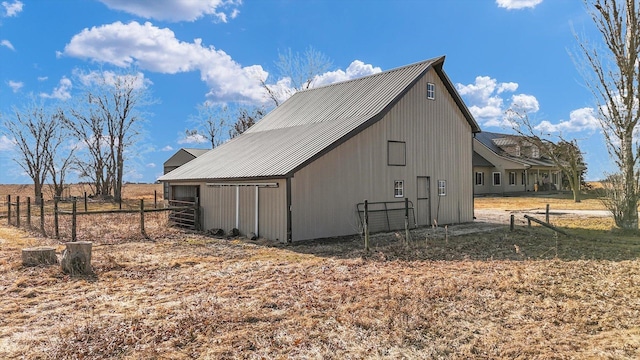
(504,163)
(178,159)
(301,171)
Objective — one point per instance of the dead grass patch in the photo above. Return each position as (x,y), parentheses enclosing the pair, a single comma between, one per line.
(498,294)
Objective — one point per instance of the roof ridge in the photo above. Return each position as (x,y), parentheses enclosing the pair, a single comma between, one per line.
(431,61)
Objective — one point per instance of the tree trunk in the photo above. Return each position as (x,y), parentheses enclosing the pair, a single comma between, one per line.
(39,256)
(76,258)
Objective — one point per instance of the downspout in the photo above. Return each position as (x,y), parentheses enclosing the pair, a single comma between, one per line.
(473,182)
(257,210)
(237,207)
(289,232)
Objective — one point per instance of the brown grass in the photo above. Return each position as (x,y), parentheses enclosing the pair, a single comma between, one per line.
(500,294)
(129,191)
(537,202)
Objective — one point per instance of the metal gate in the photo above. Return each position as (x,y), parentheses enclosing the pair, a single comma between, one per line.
(387,215)
(186,214)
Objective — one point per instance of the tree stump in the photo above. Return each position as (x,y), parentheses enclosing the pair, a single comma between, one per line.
(39,256)
(76,258)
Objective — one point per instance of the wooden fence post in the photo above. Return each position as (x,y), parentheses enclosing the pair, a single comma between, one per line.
(85,201)
(8,209)
(142,217)
(155,199)
(28,211)
(512,222)
(18,211)
(55,216)
(42,215)
(546,214)
(73,221)
(366,225)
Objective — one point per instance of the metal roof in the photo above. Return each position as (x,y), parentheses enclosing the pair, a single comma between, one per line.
(306,125)
(493,141)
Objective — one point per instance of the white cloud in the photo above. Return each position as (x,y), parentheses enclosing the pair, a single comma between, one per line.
(6,144)
(7,44)
(193,139)
(43,78)
(167,148)
(579,120)
(518,4)
(525,103)
(138,80)
(157,49)
(177,10)
(62,92)
(12,9)
(151,165)
(356,69)
(15,85)
(485,100)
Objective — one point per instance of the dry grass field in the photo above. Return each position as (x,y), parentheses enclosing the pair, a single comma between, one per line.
(129,191)
(525,294)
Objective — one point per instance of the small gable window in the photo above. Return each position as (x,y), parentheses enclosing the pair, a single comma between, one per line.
(431,91)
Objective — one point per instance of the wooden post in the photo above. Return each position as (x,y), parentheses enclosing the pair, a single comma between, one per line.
(142,217)
(512,222)
(28,211)
(42,215)
(73,221)
(18,211)
(85,201)
(155,199)
(196,214)
(528,221)
(120,202)
(546,214)
(366,225)
(406,221)
(8,209)
(55,216)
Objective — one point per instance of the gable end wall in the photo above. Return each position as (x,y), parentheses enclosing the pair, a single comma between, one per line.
(438,145)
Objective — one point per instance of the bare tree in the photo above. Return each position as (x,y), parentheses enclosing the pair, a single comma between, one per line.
(300,70)
(565,154)
(245,119)
(109,124)
(211,123)
(37,138)
(612,74)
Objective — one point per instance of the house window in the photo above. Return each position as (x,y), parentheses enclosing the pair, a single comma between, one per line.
(512,178)
(431,91)
(396,153)
(442,187)
(398,188)
(497,179)
(479,178)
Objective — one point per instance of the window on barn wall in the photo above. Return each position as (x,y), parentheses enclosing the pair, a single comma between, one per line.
(479,178)
(398,188)
(396,153)
(512,178)
(442,187)
(497,179)
(431,91)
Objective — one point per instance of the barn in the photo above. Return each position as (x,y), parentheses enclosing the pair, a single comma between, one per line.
(305,169)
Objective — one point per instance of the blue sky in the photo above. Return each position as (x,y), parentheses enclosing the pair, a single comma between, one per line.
(499,53)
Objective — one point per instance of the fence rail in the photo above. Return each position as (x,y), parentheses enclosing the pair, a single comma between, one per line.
(59,219)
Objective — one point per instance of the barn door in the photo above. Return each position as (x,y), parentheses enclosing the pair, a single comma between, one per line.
(424,201)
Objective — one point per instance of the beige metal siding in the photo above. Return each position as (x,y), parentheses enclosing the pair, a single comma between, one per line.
(219,208)
(438,144)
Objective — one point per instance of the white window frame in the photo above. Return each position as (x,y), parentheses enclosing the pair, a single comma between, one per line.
(431,91)
(398,188)
(513,178)
(481,182)
(493,177)
(442,187)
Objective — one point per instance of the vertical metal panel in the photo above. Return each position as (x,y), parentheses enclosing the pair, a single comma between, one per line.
(438,145)
(219,209)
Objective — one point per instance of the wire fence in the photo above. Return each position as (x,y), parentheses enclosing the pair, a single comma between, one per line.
(73,219)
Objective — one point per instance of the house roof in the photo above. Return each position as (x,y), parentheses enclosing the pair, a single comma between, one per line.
(196,152)
(311,123)
(494,142)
